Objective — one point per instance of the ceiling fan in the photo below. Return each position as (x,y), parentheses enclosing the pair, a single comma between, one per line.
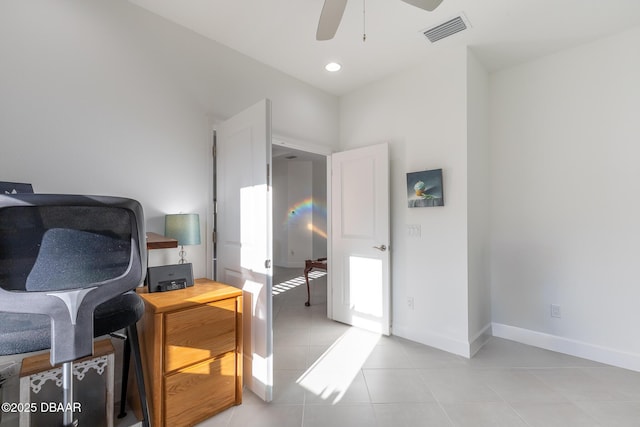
(332,12)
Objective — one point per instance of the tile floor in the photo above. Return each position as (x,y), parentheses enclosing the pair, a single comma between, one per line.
(329,375)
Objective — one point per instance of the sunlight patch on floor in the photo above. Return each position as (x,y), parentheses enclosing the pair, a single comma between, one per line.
(287,285)
(331,375)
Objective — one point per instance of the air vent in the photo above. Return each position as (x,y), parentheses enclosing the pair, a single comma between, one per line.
(291,157)
(446,29)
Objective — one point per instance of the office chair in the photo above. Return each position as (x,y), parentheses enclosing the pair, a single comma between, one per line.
(68,265)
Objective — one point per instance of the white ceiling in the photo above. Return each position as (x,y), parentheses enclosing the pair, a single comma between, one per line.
(281,33)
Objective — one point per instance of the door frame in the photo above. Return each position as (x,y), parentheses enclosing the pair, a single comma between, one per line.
(326,152)
(278,139)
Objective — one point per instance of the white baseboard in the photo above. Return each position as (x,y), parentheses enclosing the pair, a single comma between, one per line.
(434,340)
(568,346)
(480,339)
(448,344)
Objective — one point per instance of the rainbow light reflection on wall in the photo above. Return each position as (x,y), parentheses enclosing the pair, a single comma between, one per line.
(307,209)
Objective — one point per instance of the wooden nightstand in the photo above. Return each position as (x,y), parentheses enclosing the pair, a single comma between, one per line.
(192,352)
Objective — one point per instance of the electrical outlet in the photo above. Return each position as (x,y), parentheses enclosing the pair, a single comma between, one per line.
(555,311)
(410,303)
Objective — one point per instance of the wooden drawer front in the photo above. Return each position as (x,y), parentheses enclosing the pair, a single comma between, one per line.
(195,393)
(195,334)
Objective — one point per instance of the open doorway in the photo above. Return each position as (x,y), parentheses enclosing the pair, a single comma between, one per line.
(285,336)
(299,201)
(301,334)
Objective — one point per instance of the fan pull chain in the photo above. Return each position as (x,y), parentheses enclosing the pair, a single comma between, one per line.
(364,21)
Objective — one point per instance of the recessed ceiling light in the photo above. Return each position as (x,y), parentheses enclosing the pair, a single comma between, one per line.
(332,67)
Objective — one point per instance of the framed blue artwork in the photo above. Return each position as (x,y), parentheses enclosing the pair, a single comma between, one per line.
(424,189)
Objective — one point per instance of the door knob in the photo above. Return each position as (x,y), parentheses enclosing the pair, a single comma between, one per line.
(381,248)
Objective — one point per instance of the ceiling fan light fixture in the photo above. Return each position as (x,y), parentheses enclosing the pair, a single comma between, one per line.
(333,67)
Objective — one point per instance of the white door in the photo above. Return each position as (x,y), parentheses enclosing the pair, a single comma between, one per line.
(359,264)
(243,233)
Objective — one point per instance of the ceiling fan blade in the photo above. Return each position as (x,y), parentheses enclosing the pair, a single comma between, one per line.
(424,4)
(330,18)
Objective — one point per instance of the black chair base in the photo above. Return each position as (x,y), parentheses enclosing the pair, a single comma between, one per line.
(131,344)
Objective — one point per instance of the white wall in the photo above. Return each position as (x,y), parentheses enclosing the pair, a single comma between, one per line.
(479,197)
(104,97)
(299,212)
(565,207)
(319,239)
(296,181)
(280,210)
(224,82)
(301,215)
(421,113)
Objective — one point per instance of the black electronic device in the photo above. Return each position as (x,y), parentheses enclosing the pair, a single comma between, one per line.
(15,187)
(169,277)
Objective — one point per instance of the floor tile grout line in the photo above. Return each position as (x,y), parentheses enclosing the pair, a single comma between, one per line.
(515,411)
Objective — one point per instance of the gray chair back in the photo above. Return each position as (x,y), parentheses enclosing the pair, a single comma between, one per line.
(63,255)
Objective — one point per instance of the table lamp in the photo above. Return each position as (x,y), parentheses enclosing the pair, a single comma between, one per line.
(185,228)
